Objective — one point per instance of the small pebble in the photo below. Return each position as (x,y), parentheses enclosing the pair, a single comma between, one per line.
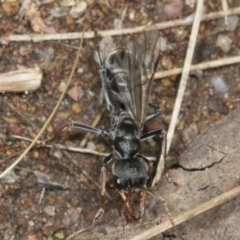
(217,105)
(219,84)
(35,154)
(224,43)
(50,128)
(190,133)
(117,23)
(190,3)
(67,3)
(63,114)
(232,23)
(59,12)
(24,50)
(131,15)
(9,7)
(49,210)
(71,216)
(75,93)
(61,87)
(80,70)
(45,53)
(76,107)
(91,145)
(162,44)
(57,153)
(10,177)
(173,9)
(78,10)
(31,223)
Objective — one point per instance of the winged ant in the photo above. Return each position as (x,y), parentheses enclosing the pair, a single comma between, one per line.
(127,74)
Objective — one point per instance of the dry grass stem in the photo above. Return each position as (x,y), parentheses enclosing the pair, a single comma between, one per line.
(48,120)
(76,233)
(113,32)
(200,66)
(193,212)
(22,80)
(225,8)
(182,85)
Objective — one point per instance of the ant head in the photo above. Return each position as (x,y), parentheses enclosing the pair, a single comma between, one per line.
(130,174)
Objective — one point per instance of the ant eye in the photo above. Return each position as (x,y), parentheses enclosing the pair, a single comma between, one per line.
(118,181)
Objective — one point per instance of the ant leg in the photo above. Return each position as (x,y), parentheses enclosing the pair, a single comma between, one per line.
(148,162)
(142,202)
(128,204)
(167,210)
(103,76)
(148,135)
(100,212)
(86,128)
(153,133)
(162,164)
(157,111)
(124,222)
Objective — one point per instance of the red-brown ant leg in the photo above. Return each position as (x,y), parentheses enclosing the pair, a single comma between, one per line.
(128,205)
(103,180)
(142,202)
(124,222)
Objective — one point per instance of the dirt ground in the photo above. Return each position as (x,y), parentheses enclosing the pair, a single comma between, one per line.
(53,193)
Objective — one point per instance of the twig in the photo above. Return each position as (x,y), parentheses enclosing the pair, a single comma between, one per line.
(183,82)
(200,66)
(76,233)
(113,32)
(63,147)
(48,120)
(41,196)
(193,212)
(225,8)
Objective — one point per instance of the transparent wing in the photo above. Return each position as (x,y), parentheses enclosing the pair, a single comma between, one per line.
(142,63)
(130,70)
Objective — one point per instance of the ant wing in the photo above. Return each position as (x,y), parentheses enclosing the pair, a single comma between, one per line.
(150,60)
(130,69)
(140,62)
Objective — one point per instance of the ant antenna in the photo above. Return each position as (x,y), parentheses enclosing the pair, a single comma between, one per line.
(167,210)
